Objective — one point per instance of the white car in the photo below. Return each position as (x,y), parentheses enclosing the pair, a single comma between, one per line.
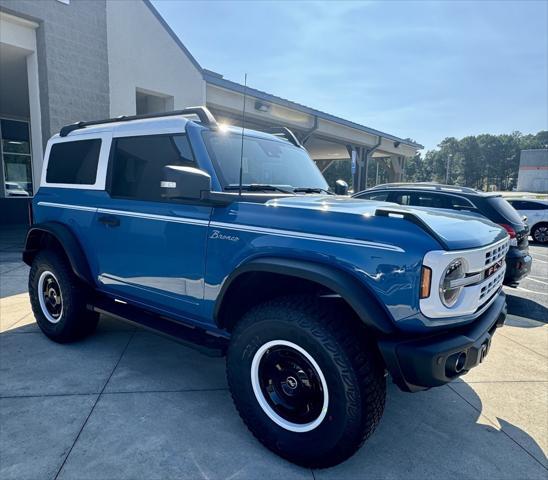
(536,212)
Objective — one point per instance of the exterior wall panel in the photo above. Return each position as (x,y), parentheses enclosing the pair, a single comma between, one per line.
(72,59)
(143,55)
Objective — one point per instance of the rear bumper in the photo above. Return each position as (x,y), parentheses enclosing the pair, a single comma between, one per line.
(420,363)
(518,265)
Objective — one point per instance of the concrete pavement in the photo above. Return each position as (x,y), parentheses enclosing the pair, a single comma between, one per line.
(128,404)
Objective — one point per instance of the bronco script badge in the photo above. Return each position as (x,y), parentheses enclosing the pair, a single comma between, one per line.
(221,236)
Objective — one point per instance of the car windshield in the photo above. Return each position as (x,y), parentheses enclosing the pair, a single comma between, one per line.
(265,162)
(505,209)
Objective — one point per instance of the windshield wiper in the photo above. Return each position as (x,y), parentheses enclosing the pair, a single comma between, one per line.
(258,187)
(312,190)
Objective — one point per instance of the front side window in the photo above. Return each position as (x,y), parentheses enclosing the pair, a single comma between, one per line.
(524,205)
(264,162)
(74,162)
(138,163)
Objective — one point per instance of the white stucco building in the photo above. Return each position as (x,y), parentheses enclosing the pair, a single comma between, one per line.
(533,171)
(63,61)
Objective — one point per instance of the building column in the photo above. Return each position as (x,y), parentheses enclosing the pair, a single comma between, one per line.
(396,168)
(35,120)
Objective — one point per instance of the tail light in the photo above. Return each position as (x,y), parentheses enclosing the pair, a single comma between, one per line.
(511,233)
(509,229)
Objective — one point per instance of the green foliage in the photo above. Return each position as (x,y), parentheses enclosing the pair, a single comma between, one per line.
(483,161)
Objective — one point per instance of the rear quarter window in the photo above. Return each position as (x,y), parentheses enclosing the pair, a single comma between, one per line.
(74,163)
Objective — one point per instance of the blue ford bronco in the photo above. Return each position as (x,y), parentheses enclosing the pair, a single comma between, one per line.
(232,242)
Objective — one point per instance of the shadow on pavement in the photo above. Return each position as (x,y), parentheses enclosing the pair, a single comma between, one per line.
(524,307)
(439,433)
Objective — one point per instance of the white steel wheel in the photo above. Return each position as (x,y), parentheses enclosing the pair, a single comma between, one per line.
(289,386)
(50,297)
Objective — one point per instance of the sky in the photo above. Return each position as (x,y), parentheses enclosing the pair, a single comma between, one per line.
(415,69)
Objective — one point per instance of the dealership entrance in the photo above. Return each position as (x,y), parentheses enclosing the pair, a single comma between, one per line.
(20,128)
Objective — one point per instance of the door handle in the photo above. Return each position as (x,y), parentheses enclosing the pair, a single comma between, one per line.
(109,221)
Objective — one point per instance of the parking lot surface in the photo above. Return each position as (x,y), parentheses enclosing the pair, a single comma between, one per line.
(129,404)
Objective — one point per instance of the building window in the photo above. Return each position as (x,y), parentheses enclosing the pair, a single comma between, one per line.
(15,151)
(152,102)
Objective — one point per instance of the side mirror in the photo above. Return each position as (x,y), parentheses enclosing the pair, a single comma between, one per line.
(185,183)
(341,187)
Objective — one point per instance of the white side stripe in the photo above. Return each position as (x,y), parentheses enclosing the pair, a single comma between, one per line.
(230,226)
(70,207)
(151,216)
(306,236)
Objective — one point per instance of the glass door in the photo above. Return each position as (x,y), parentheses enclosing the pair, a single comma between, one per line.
(15,150)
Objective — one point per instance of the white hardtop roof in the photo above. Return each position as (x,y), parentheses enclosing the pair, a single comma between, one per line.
(144,126)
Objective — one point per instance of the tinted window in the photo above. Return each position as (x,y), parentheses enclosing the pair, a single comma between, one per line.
(74,162)
(459,202)
(138,163)
(379,196)
(524,205)
(505,209)
(403,198)
(431,200)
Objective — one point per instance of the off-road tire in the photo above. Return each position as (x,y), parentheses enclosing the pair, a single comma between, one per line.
(75,322)
(348,359)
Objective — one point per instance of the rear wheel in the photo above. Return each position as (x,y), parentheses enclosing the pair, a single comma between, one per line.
(58,299)
(540,233)
(307,383)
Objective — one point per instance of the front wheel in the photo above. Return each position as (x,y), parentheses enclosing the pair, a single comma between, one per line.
(540,233)
(307,383)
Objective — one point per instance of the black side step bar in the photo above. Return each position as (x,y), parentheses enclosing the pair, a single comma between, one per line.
(190,336)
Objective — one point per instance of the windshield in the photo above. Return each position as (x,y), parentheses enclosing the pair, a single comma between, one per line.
(505,209)
(265,162)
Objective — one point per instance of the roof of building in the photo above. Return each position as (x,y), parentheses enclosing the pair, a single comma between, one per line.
(217,79)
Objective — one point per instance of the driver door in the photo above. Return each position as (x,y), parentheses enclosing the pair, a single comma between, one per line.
(149,250)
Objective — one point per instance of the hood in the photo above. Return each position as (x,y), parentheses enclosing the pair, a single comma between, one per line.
(454,231)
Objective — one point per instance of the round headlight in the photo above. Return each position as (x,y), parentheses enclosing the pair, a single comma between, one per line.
(450,294)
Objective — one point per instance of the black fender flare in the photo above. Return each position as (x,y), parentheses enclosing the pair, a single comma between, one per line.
(357,295)
(68,242)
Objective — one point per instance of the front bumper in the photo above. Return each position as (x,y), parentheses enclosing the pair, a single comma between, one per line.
(518,265)
(424,362)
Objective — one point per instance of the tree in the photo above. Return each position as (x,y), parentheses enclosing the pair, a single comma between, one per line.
(484,161)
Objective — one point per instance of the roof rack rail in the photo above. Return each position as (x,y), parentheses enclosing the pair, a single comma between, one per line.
(286,134)
(429,185)
(205,116)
